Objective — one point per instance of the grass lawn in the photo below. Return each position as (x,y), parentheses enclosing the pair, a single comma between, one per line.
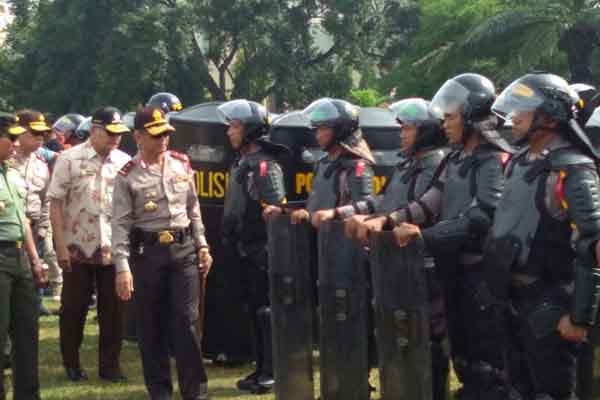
(55,385)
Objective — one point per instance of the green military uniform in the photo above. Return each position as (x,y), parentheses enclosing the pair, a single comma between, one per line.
(18,304)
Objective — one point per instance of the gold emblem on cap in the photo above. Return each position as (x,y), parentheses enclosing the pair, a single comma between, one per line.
(157,115)
(17,119)
(116,117)
(42,118)
(150,206)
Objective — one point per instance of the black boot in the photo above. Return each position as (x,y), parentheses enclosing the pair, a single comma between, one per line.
(249,383)
(266,378)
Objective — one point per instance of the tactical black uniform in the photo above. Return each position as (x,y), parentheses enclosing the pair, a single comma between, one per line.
(255,179)
(411,178)
(460,206)
(343,278)
(543,238)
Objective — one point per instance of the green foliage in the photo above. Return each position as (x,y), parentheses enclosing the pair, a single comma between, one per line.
(367,97)
(73,56)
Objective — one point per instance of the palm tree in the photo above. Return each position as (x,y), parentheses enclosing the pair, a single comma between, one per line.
(535,29)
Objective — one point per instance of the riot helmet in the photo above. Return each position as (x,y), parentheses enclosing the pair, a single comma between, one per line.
(470,94)
(253,116)
(167,102)
(68,123)
(82,133)
(547,96)
(415,111)
(589,100)
(592,128)
(337,114)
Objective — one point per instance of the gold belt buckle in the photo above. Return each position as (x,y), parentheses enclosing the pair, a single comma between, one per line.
(19,244)
(165,237)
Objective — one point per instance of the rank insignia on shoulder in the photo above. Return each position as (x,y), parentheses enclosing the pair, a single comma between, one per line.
(127,168)
(179,156)
(264,167)
(360,168)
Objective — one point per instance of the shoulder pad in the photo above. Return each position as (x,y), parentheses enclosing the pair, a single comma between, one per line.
(179,156)
(255,159)
(567,156)
(127,168)
(358,165)
(433,158)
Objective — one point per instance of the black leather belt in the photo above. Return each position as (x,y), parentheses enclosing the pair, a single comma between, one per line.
(165,238)
(10,244)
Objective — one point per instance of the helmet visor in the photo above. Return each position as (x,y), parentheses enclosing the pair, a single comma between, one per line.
(411,111)
(594,121)
(449,99)
(64,125)
(234,110)
(516,99)
(321,113)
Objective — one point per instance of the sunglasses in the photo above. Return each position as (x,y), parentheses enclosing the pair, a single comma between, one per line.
(36,133)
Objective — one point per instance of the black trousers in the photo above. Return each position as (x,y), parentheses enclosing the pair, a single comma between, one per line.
(477,331)
(166,305)
(255,280)
(78,286)
(541,361)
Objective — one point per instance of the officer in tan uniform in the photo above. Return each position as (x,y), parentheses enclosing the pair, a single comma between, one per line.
(81,196)
(36,176)
(157,226)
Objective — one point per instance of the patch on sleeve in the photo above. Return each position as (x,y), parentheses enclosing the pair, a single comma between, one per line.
(264,168)
(127,168)
(360,168)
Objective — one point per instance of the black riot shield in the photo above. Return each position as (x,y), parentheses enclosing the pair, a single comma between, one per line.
(401,318)
(291,308)
(343,315)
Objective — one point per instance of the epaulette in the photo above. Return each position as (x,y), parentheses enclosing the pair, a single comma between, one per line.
(127,168)
(183,158)
(179,156)
(41,158)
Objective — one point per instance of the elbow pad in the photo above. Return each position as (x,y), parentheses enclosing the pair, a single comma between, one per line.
(446,236)
(479,221)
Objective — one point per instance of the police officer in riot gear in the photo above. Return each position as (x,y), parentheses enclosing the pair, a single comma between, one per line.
(343,176)
(62,130)
(544,240)
(256,180)
(167,102)
(460,206)
(422,149)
